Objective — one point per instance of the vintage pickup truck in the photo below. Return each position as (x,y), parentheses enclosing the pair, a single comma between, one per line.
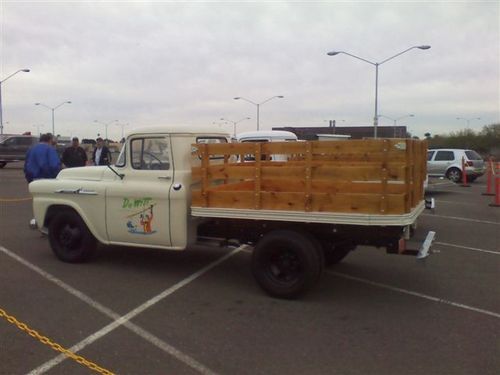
(174,186)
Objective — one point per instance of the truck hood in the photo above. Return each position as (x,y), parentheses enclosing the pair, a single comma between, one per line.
(83,173)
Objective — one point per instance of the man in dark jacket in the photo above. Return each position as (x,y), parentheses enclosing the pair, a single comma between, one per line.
(42,160)
(74,155)
(101,155)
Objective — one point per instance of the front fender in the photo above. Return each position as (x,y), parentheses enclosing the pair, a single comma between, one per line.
(49,196)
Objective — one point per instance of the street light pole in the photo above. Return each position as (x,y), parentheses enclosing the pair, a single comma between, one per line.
(258,105)
(235,122)
(2,81)
(396,120)
(106,127)
(123,127)
(376,65)
(53,110)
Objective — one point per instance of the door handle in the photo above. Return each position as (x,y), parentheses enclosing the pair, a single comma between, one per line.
(164,177)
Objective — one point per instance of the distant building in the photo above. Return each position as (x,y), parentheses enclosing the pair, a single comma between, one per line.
(356,132)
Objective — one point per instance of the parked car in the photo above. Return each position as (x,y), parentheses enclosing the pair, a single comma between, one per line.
(14,147)
(448,163)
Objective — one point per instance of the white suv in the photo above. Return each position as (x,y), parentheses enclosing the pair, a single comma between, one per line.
(448,163)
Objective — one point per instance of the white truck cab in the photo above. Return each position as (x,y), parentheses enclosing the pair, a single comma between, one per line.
(142,200)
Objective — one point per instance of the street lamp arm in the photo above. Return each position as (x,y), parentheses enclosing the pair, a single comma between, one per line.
(43,105)
(243,119)
(405,116)
(350,54)
(66,102)
(20,70)
(389,118)
(271,98)
(245,99)
(400,53)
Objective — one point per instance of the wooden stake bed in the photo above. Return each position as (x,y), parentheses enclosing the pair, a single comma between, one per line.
(365,177)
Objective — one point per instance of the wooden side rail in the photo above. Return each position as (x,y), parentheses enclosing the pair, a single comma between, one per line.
(383,176)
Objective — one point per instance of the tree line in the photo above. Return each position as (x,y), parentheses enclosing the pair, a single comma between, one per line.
(485,141)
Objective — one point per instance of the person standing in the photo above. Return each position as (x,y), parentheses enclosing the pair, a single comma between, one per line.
(74,155)
(101,155)
(42,160)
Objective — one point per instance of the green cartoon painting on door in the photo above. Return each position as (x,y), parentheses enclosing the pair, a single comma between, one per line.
(140,221)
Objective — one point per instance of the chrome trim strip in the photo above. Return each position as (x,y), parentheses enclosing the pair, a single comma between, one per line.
(76,191)
(311,217)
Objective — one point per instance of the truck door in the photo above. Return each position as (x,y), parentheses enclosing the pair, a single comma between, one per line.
(137,206)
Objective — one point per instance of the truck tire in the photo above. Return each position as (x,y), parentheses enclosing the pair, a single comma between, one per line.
(286,264)
(70,239)
(2,164)
(335,252)
(454,174)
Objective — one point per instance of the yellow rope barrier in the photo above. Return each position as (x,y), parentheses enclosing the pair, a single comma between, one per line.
(45,340)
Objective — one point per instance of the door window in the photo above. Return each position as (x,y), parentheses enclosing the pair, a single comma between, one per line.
(150,153)
(444,156)
(24,141)
(429,155)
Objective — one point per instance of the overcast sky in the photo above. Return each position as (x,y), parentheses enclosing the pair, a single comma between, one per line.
(154,63)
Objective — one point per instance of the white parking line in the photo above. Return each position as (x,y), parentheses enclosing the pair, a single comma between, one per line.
(455,203)
(467,248)
(462,219)
(132,314)
(134,328)
(416,294)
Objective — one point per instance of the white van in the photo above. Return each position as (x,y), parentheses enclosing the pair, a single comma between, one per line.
(267,136)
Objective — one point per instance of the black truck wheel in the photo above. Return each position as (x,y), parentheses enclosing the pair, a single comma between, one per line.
(70,238)
(286,264)
(2,164)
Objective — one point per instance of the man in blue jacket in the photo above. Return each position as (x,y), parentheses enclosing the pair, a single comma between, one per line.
(42,160)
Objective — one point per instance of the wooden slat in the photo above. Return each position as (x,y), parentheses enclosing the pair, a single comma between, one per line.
(328,186)
(232,171)
(321,202)
(384,177)
(230,148)
(308,177)
(359,203)
(204,173)
(257,176)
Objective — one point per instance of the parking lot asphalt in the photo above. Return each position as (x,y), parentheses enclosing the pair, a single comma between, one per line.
(141,311)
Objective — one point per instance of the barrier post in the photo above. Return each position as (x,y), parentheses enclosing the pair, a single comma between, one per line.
(490,172)
(464,174)
(497,191)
